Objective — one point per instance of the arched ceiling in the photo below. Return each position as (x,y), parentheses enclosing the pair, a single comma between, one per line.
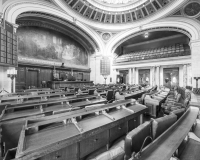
(116,14)
(140,42)
(56,23)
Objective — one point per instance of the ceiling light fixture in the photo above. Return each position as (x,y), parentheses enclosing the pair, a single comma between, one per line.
(146,34)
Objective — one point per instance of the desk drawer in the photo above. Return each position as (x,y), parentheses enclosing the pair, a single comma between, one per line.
(118,131)
(133,123)
(67,153)
(90,144)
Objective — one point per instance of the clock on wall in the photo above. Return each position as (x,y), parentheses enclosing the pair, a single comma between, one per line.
(192,9)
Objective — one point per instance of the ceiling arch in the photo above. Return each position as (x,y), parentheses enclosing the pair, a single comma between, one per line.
(184,25)
(12,9)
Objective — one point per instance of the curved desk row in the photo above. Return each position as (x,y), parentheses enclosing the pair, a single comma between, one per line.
(62,136)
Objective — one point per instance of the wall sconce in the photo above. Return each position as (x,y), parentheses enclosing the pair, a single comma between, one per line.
(11,74)
(146,35)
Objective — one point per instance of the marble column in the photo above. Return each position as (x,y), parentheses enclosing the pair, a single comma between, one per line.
(133,76)
(114,76)
(195,48)
(184,75)
(158,76)
(129,75)
(153,76)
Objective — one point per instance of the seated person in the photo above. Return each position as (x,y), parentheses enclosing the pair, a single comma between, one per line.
(175,98)
(118,96)
(67,89)
(79,91)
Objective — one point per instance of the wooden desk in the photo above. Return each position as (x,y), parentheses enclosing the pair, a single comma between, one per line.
(135,95)
(10,113)
(13,118)
(61,84)
(8,100)
(36,89)
(66,141)
(166,144)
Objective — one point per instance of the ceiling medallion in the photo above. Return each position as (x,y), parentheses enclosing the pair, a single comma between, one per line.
(106,36)
(192,9)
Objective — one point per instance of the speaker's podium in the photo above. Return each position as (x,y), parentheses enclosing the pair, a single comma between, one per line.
(105,67)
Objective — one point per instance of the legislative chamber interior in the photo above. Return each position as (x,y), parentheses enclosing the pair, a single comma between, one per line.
(99,80)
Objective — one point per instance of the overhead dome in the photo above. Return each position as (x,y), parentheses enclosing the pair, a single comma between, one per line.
(103,12)
(115,1)
(116,5)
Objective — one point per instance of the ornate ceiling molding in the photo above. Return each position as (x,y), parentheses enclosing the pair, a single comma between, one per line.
(126,15)
(88,42)
(191,9)
(88,14)
(117,7)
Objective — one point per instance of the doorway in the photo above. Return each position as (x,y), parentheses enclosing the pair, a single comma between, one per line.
(144,76)
(171,77)
(122,77)
(32,79)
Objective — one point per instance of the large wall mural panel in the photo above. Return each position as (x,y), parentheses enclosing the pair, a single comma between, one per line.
(49,45)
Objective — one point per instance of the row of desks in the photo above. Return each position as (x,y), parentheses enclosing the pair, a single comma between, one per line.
(41,139)
(15,114)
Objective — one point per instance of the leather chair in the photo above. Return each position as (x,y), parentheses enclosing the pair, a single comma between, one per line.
(110,96)
(178,112)
(160,125)
(137,139)
(197,128)
(91,91)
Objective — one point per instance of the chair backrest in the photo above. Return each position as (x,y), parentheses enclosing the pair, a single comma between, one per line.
(178,112)
(187,95)
(76,89)
(109,95)
(91,92)
(160,125)
(135,139)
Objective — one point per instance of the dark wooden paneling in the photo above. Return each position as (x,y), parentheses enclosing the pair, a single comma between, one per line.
(32,78)
(46,75)
(20,79)
(27,76)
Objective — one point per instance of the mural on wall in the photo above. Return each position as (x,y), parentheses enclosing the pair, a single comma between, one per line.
(45,44)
